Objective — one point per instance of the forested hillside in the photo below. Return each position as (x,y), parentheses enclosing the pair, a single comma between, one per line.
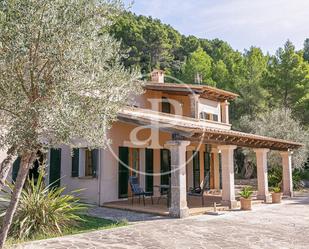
(263,81)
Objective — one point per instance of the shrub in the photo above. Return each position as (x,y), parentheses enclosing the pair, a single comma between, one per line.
(42,210)
(276,189)
(246,192)
(275,177)
(297,177)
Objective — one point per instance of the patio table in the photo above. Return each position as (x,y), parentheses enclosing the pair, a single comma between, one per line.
(167,189)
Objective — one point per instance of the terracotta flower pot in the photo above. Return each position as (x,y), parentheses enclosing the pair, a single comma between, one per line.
(245,204)
(276,197)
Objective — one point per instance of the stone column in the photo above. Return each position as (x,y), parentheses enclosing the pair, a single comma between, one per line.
(215,154)
(287,173)
(261,165)
(178,195)
(228,189)
(225,112)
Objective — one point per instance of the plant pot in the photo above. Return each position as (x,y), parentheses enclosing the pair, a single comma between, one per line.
(245,204)
(276,197)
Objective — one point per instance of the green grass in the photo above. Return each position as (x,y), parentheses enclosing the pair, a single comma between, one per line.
(91,223)
(88,224)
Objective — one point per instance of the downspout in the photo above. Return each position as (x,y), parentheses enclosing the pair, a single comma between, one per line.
(99,178)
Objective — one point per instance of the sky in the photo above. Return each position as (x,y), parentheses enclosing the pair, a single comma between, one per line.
(267,24)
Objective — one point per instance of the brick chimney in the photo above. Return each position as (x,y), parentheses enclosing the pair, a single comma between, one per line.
(157,76)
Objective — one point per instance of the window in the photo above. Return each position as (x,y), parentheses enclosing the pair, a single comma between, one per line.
(134,161)
(166,105)
(205,115)
(88,163)
(208,116)
(85,162)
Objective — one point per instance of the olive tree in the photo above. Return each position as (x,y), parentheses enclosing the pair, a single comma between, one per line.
(60,79)
(279,123)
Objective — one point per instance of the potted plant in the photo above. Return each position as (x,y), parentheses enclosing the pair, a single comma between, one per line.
(276,195)
(245,200)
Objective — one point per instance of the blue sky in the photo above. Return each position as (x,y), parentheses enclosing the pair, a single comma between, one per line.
(242,23)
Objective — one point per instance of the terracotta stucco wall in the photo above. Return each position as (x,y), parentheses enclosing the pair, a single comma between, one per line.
(120,136)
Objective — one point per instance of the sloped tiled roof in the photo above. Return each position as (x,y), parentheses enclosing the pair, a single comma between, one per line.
(195,129)
(204,90)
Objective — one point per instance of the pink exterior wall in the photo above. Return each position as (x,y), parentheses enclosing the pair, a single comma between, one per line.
(89,185)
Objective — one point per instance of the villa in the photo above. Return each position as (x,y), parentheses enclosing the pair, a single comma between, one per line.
(173,134)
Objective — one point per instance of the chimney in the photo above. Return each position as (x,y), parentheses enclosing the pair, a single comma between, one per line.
(198,78)
(157,76)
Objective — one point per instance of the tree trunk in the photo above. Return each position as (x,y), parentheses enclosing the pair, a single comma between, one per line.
(5,166)
(26,162)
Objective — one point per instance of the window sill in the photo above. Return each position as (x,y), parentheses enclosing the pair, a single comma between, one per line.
(86,177)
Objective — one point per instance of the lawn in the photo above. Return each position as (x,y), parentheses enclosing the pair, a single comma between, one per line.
(88,224)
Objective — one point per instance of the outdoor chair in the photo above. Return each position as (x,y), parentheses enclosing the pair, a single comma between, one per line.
(165,192)
(137,190)
(201,190)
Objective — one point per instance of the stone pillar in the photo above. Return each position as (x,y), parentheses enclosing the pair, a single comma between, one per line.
(287,173)
(215,155)
(194,105)
(225,112)
(228,189)
(178,195)
(261,166)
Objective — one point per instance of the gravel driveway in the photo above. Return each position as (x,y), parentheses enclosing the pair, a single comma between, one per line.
(281,226)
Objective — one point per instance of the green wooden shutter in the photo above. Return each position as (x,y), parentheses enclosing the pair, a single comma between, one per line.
(149,170)
(207,160)
(196,169)
(95,161)
(220,169)
(165,158)
(123,172)
(15,169)
(75,163)
(55,167)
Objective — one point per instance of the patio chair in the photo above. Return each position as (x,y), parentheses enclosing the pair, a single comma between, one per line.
(201,190)
(165,192)
(137,190)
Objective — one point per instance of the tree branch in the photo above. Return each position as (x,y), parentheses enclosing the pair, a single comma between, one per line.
(9,111)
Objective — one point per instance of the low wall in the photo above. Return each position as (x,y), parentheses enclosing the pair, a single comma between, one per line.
(251,182)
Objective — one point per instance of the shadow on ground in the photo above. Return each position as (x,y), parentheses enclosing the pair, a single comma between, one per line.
(120,215)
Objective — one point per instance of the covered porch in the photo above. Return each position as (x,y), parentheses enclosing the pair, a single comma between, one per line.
(220,144)
(212,204)
(161,208)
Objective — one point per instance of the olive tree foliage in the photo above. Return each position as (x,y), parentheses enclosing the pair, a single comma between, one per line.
(60,78)
(278,123)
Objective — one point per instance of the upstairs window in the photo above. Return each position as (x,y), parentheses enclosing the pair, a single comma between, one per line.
(208,116)
(205,115)
(166,105)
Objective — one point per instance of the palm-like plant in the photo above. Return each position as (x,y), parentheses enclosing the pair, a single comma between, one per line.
(44,210)
(276,189)
(246,192)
